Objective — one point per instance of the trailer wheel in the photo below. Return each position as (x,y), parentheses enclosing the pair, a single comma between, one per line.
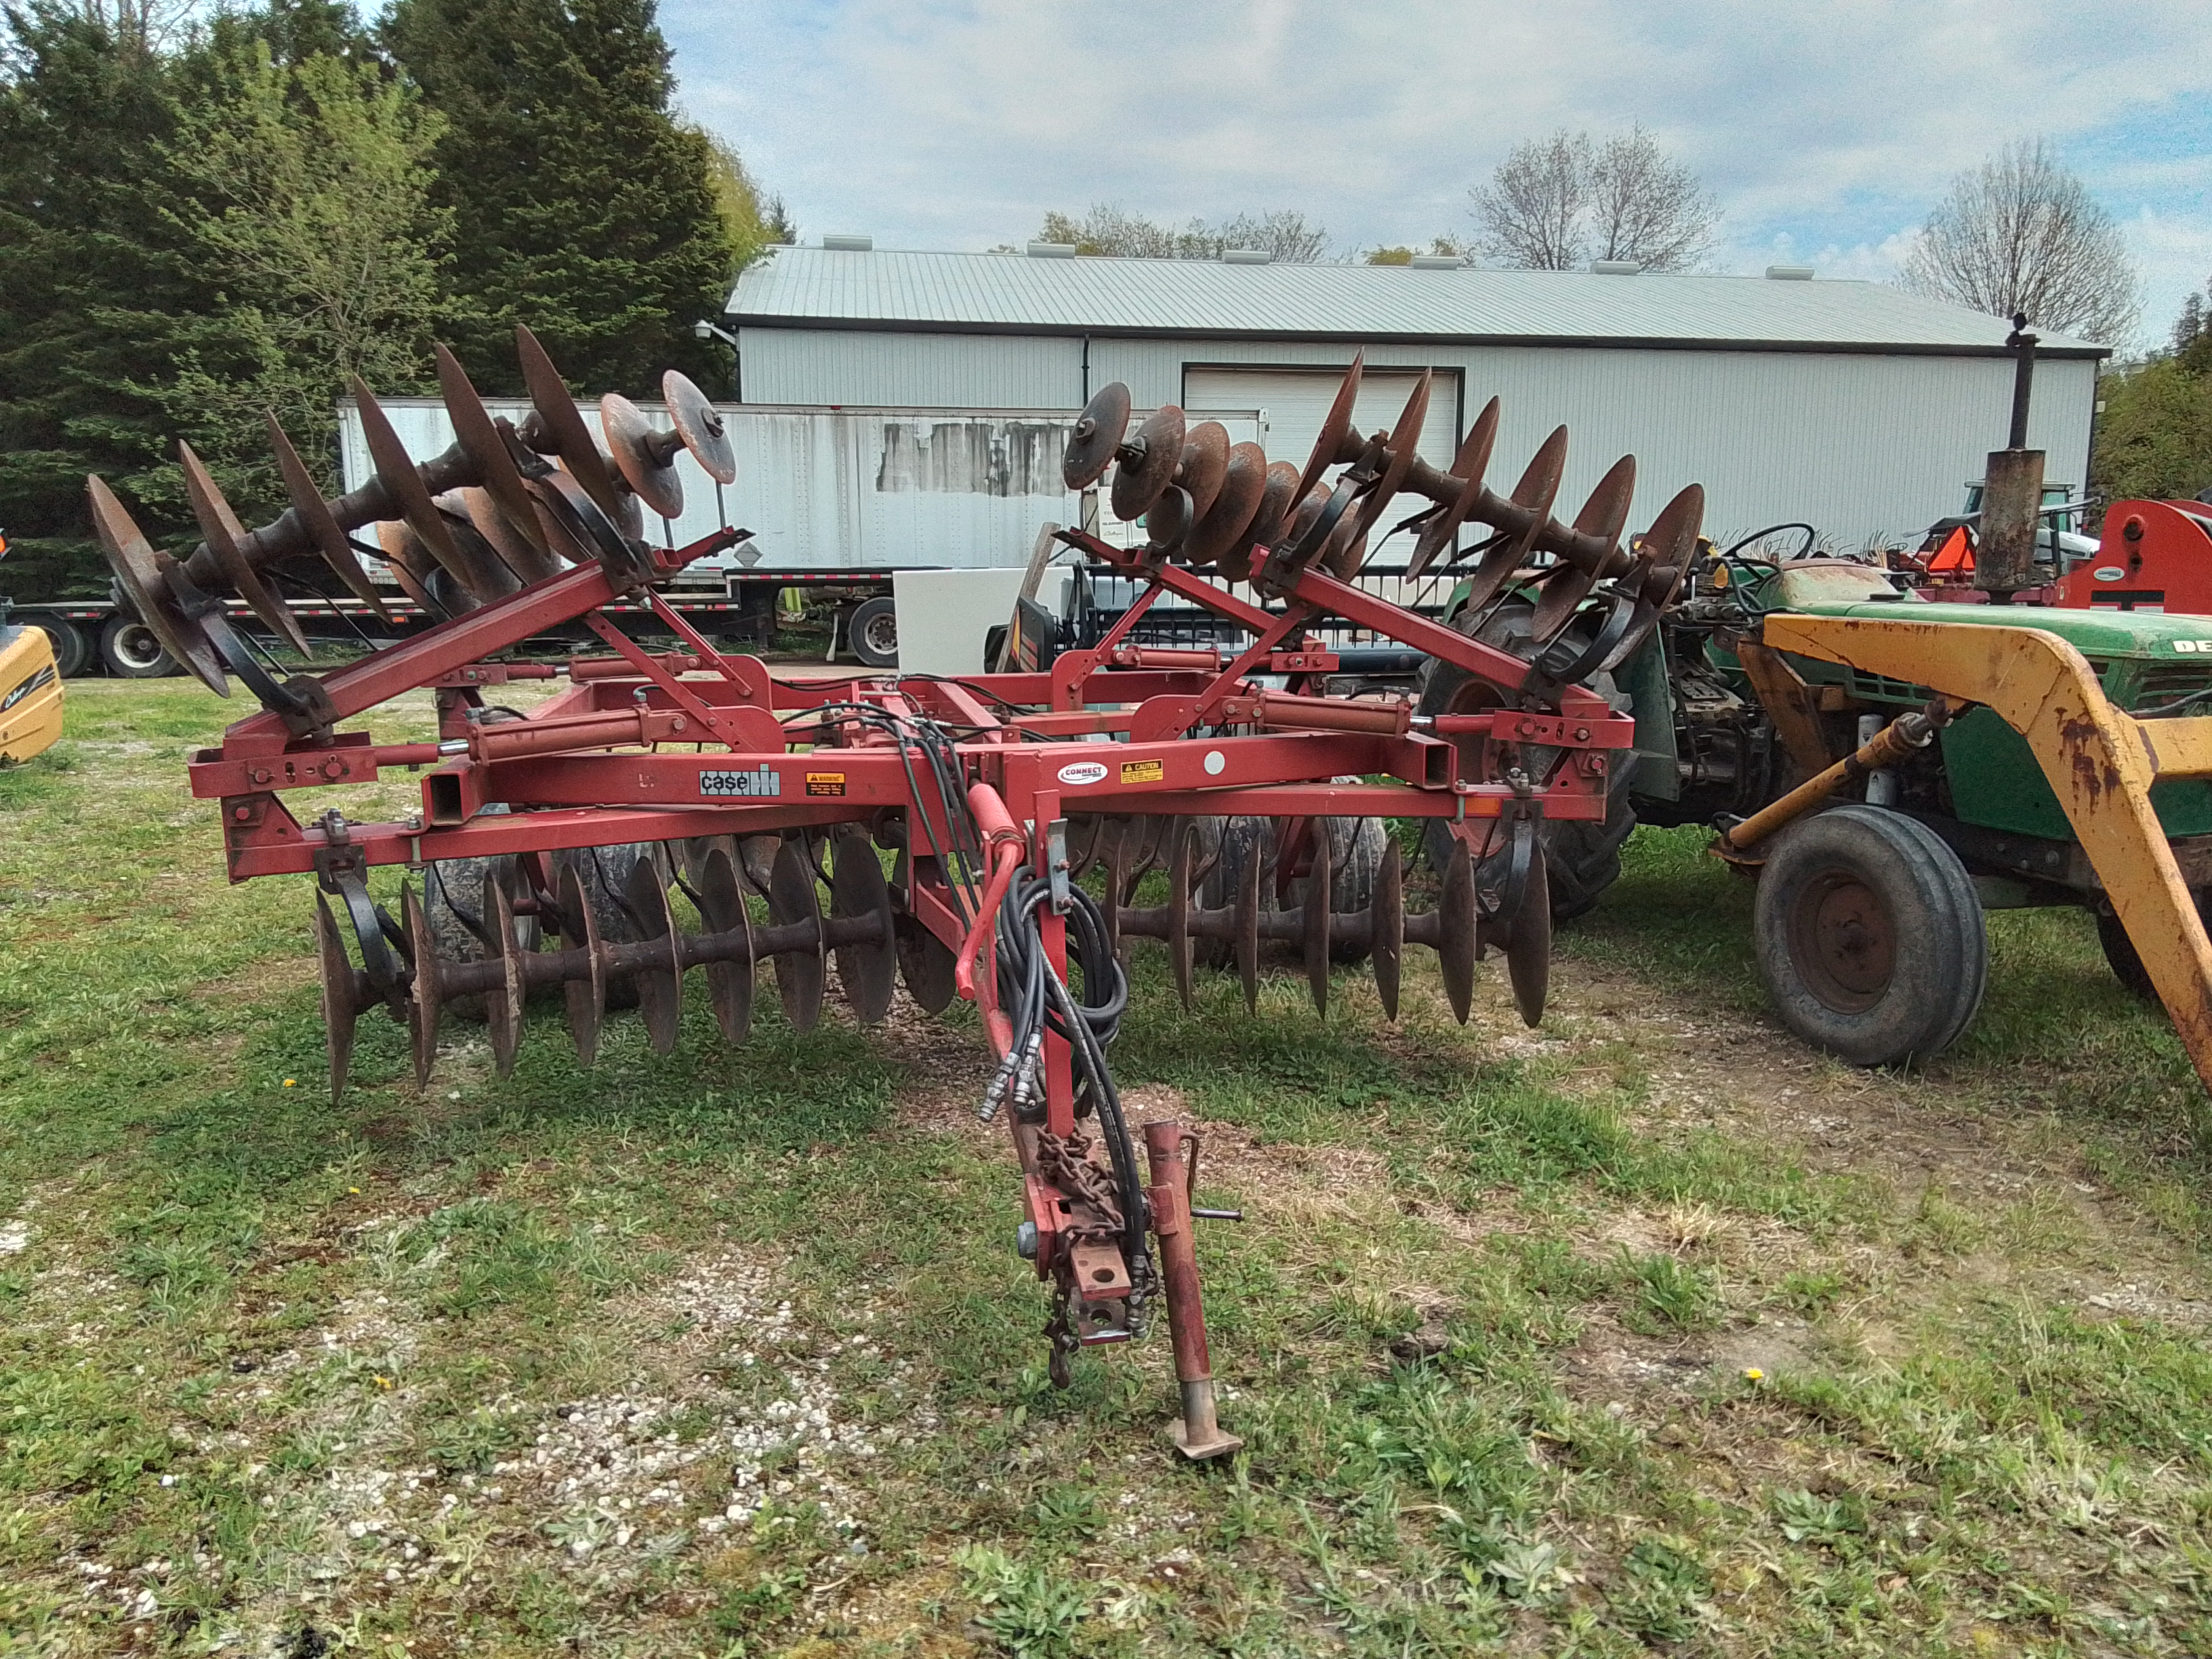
(129,649)
(873,632)
(1870,936)
(72,651)
(2120,950)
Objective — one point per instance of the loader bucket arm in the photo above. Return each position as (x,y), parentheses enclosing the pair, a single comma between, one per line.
(2100,763)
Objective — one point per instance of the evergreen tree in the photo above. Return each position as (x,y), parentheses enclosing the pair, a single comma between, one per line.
(94,286)
(581,206)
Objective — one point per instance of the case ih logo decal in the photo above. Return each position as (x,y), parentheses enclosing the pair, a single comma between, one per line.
(762,780)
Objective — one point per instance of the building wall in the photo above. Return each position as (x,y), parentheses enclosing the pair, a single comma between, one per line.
(1861,445)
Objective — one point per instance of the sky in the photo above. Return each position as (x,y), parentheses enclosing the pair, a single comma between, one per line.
(1827,128)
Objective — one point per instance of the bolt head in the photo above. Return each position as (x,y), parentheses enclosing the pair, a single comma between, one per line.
(1026,1241)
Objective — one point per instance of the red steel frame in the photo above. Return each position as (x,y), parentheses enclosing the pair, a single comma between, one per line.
(589,768)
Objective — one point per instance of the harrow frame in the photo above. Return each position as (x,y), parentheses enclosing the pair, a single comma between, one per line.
(996,791)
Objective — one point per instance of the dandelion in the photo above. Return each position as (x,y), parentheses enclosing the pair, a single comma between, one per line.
(1752,1374)
(354,1190)
(291,1083)
(383,1381)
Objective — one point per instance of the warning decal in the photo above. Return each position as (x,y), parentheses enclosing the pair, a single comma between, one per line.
(1142,771)
(825,783)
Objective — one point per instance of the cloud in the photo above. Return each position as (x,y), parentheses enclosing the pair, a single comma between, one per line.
(958,123)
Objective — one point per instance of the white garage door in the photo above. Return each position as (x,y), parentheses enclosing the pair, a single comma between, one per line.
(1293,402)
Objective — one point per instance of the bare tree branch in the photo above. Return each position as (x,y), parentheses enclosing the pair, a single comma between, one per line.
(1110,229)
(1534,211)
(2022,233)
(1555,203)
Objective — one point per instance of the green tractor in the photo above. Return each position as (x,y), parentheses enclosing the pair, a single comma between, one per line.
(1888,767)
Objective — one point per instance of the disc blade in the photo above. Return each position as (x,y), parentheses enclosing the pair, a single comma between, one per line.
(629,438)
(1243,484)
(1386,912)
(1098,433)
(722,912)
(1468,466)
(867,968)
(564,424)
(792,897)
(659,986)
(584,994)
(497,475)
(1182,882)
(1205,464)
(1168,520)
(1528,952)
(426,1003)
(1456,918)
(1251,897)
(503,1002)
(1275,500)
(927,965)
(1403,447)
(225,537)
(143,574)
(1334,430)
(341,997)
(409,498)
(1138,483)
(525,563)
(315,513)
(700,425)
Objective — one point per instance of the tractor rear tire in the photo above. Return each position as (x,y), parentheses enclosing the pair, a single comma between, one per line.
(1870,936)
(2120,950)
(1356,848)
(601,871)
(1583,856)
(452,905)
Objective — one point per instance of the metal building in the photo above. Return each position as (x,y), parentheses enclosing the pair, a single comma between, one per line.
(1853,405)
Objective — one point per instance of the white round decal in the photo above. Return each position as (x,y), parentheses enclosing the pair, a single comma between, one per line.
(1216,763)
(2109,573)
(1083,772)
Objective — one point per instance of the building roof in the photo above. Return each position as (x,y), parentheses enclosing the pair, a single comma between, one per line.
(1017,294)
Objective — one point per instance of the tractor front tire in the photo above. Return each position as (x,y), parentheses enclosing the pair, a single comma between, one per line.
(1870,936)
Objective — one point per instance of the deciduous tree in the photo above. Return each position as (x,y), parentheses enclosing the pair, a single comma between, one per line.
(2021,232)
(1556,204)
(1286,236)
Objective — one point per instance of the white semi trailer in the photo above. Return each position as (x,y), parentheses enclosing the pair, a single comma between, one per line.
(838,500)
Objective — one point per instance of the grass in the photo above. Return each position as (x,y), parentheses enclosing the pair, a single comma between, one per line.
(1643,1331)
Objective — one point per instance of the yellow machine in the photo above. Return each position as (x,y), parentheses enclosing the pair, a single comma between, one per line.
(30,693)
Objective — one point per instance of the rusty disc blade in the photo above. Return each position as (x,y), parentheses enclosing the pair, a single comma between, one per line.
(1168,520)
(867,968)
(1098,433)
(661,986)
(1673,538)
(1404,448)
(1468,466)
(792,897)
(1334,430)
(1456,918)
(1345,550)
(407,495)
(503,1002)
(489,577)
(1244,484)
(1139,482)
(631,441)
(585,995)
(701,426)
(597,538)
(564,424)
(314,513)
(1528,952)
(341,997)
(1205,464)
(1182,882)
(527,564)
(143,574)
(1571,581)
(1251,897)
(497,475)
(1259,536)
(1318,916)
(409,564)
(225,537)
(426,1005)
(1386,919)
(722,912)
(1539,488)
